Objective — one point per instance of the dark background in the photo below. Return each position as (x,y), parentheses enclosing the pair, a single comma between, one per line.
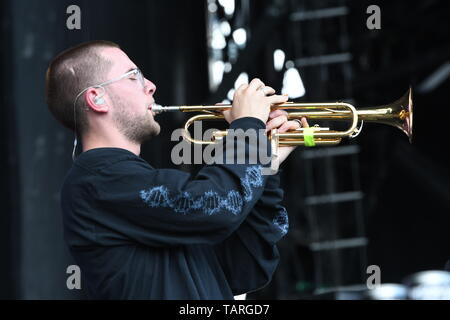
(403,212)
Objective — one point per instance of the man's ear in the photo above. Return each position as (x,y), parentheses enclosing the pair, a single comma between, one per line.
(95,99)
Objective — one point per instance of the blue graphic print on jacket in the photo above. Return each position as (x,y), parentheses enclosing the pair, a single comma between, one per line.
(210,202)
(281,221)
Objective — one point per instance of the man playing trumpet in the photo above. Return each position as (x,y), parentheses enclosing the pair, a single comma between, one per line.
(138,232)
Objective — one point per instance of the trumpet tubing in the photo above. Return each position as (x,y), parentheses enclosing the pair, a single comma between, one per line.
(397,114)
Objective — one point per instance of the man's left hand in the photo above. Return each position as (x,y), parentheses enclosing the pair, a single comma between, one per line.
(278,119)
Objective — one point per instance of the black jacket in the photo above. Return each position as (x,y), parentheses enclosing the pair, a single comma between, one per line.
(143,233)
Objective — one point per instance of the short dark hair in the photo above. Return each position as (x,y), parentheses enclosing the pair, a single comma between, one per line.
(69,73)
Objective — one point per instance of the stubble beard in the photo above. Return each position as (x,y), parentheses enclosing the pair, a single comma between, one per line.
(136,128)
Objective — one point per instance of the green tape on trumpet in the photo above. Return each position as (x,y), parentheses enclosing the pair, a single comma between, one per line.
(308,137)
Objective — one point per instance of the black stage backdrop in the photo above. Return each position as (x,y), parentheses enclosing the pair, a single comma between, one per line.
(406,187)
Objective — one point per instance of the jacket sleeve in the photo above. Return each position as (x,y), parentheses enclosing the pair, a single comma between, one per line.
(249,256)
(133,202)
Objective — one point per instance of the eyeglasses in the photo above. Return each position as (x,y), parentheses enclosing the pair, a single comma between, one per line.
(135,72)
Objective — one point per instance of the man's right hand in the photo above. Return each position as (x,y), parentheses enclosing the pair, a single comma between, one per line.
(251,101)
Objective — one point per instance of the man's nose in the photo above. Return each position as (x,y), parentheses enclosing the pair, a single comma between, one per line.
(150,87)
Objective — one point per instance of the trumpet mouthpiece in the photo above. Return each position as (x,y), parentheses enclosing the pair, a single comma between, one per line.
(157,108)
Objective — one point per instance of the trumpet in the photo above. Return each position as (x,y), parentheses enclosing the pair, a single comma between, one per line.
(398,114)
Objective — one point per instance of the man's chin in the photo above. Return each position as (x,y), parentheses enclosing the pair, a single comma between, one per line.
(155,130)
